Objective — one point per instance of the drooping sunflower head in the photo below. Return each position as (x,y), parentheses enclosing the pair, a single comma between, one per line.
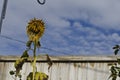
(35,29)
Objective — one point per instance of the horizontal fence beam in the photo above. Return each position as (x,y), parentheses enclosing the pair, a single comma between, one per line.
(65,59)
(68,61)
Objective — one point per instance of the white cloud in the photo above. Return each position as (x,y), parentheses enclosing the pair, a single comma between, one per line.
(102,13)
(106,9)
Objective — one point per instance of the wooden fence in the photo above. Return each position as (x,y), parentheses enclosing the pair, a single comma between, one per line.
(63,68)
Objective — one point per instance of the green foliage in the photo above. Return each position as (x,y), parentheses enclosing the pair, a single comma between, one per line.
(20,62)
(38,44)
(18,65)
(116,49)
(38,76)
(113,73)
(28,44)
(25,54)
(115,70)
(12,72)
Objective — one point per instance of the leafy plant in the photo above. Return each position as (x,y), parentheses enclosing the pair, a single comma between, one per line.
(35,30)
(115,69)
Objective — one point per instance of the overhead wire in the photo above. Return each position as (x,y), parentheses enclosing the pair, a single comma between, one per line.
(23,42)
(12,39)
(55,50)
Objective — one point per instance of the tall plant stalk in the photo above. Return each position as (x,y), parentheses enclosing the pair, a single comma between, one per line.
(34,61)
(35,30)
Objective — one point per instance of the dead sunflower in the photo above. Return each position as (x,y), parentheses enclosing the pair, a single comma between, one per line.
(35,30)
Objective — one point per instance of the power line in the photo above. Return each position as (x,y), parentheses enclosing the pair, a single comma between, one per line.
(23,42)
(55,50)
(12,39)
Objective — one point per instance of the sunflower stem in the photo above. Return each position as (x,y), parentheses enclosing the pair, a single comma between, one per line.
(34,51)
(34,62)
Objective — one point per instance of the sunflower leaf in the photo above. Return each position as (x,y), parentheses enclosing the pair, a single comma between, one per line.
(12,72)
(116,51)
(28,44)
(25,54)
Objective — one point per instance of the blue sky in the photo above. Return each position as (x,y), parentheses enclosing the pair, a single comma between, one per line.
(73,27)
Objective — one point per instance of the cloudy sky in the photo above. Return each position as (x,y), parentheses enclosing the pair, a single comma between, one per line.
(73,27)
